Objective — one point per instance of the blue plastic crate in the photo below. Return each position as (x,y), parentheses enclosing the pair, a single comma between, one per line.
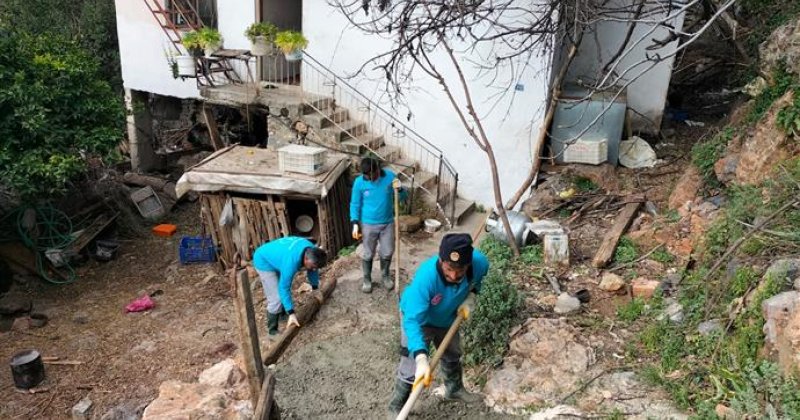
(196,249)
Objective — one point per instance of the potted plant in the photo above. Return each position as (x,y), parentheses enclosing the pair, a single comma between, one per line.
(210,40)
(191,40)
(292,44)
(262,38)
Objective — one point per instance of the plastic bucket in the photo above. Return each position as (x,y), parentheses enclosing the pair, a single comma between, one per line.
(432,225)
(186,65)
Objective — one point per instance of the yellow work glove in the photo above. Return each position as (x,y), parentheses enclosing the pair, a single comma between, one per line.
(396,184)
(468,306)
(423,373)
(356,231)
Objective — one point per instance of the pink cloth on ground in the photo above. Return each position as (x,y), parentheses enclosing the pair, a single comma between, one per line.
(142,304)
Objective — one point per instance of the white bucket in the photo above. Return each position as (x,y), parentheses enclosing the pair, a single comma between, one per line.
(186,65)
(261,47)
(432,225)
(295,55)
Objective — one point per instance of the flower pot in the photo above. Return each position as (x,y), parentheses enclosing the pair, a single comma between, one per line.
(186,66)
(211,49)
(295,55)
(261,46)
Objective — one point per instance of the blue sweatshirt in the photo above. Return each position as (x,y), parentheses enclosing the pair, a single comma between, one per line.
(285,256)
(372,202)
(431,301)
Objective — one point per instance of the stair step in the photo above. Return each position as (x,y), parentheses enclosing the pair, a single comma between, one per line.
(317,120)
(463,209)
(363,143)
(404,166)
(388,153)
(425,179)
(350,129)
(323,104)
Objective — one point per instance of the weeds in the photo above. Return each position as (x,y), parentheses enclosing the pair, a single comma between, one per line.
(631,311)
(789,117)
(584,184)
(662,255)
(783,81)
(706,154)
(348,250)
(626,251)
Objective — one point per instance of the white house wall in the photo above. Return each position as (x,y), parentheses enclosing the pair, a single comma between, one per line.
(143,46)
(647,94)
(511,129)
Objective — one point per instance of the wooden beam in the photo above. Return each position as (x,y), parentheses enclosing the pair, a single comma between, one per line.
(266,408)
(213,130)
(606,250)
(304,314)
(248,333)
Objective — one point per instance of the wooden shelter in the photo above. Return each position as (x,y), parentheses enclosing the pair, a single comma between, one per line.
(266,203)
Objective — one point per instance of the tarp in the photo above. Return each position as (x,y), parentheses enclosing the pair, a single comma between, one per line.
(255,171)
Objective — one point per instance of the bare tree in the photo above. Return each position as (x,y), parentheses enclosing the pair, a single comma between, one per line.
(501,38)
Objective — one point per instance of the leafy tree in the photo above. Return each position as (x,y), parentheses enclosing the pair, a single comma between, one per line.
(56,110)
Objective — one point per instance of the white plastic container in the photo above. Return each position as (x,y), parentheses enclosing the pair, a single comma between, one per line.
(186,65)
(556,249)
(301,159)
(593,152)
(432,225)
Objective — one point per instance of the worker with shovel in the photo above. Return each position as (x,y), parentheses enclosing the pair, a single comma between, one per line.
(443,288)
(276,263)
(372,217)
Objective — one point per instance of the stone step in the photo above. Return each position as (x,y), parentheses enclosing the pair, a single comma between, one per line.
(424,179)
(317,120)
(388,153)
(322,104)
(363,143)
(463,209)
(350,129)
(404,166)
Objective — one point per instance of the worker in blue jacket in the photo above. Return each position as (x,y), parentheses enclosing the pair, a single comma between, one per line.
(372,217)
(276,263)
(443,286)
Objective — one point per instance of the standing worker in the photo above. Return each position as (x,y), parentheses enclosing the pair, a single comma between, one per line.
(276,263)
(443,286)
(372,217)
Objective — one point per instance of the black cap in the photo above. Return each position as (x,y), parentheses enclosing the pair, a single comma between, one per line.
(456,248)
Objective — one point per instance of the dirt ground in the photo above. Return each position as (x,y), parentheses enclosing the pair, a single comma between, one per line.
(340,366)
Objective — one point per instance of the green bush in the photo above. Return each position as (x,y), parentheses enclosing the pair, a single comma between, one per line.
(496,310)
(626,251)
(56,110)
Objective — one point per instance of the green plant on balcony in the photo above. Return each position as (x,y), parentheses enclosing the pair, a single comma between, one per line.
(291,43)
(210,39)
(191,40)
(262,37)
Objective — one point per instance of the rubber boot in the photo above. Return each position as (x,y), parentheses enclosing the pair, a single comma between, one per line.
(387,279)
(454,385)
(366,267)
(399,396)
(272,323)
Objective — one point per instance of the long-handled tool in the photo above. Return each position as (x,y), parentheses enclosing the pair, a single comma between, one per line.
(416,389)
(397,240)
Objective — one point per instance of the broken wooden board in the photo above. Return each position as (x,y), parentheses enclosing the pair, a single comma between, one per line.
(606,251)
(90,232)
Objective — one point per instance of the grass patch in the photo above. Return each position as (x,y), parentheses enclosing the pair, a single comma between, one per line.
(789,117)
(662,255)
(348,250)
(631,311)
(783,81)
(532,255)
(626,251)
(584,184)
(707,153)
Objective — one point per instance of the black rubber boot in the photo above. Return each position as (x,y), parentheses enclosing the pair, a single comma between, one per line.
(272,323)
(454,385)
(387,279)
(366,267)
(399,396)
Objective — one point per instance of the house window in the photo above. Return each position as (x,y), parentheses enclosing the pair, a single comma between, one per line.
(206,10)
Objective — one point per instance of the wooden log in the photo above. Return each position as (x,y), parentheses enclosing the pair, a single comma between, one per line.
(266,400)
(213,130)
(98,225)
(248,332)
(606,250)
(304,314)
(140,180)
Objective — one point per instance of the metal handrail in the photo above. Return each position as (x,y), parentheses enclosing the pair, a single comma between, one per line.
(447,177)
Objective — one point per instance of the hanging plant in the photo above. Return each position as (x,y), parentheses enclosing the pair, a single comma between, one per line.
(292,44)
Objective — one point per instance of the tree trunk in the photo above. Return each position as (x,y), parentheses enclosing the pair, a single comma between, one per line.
(498,199)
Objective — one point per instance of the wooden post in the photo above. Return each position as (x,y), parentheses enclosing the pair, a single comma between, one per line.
(609,244)
(246,318)
(213,130)
(266,408)
(304,314)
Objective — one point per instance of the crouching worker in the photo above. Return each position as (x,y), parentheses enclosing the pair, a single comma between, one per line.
(443,286)
(276,263)
(372,217)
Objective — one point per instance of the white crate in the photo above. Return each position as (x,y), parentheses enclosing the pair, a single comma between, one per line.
(593,152)
(301,159)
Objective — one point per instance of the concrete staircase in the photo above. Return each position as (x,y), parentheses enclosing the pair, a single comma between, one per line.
(333,126)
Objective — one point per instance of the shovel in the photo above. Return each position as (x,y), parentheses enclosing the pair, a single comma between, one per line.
(416,389)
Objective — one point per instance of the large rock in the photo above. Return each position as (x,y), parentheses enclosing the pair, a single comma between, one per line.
(782,330)
(409,223)
(178,400)
(786,270)
(611,282)
(686,189)
(543,364)
(566,303)
(782,47)
(766,147)
(604,176)
(223,374)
